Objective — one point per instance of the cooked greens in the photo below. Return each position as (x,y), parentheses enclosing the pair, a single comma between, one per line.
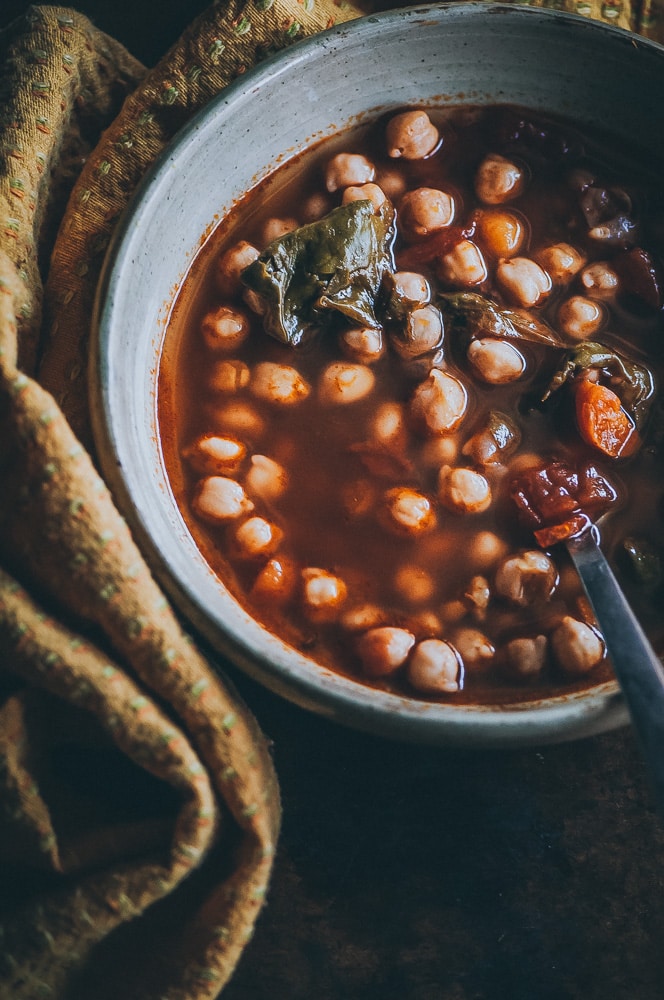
(329,267)
(473,316)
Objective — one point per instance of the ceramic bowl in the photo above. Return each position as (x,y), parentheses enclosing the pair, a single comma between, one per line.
(460,53)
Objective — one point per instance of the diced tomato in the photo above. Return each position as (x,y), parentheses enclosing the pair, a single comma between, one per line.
(602,421)
(553,495)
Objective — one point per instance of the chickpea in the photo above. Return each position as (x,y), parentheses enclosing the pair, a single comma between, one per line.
(358,498)
(365,192)
(523,281)
(440,451)
(410,287)
(362,617)
(346,169)
(212,455)
(423,333)
(580,318)
(413,584)
(600,281)
(240,418)
(387,425)
(343,382)
(478,592)
(405,511)
(526,578)
(439,403)
(253,300)
(411,135)
(225,328)
(498,180)
(363,344)
(464,265)
(229,376)
(231,264)
(577,647)
(486,548)
(435,667)
(561,261)
(266,478)
(525,656)
(316,206)
(219,499)
(496,361)
(276,581)
(463,491)
(499,233)
(257,538)
(278,384)
(323,594)
(384,650)
(476,651)
(425,210)
(393,183)
(275,228)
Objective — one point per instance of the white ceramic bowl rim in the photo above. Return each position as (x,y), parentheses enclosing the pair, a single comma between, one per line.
(124,363)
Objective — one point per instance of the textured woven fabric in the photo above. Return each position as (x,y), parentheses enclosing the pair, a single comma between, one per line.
(135,788)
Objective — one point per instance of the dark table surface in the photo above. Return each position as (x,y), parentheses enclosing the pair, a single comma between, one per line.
(434,874)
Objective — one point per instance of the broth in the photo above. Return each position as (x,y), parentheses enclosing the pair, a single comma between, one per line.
(370,527)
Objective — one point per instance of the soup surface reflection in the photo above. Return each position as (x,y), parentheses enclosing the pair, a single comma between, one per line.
(404,368)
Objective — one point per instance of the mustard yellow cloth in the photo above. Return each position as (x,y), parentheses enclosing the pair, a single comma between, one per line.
(135,787)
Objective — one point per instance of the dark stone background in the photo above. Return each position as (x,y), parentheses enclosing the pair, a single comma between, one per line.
(411,873)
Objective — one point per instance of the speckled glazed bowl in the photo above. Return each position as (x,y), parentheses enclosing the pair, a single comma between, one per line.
(473,53)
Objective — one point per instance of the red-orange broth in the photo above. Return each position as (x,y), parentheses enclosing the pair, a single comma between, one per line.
(432,567)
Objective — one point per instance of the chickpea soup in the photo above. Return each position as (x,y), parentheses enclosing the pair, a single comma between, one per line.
(400,372)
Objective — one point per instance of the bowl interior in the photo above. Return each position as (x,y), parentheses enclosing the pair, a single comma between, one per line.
(468,53)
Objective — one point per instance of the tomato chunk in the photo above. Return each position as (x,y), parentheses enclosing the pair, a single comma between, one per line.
(602,421)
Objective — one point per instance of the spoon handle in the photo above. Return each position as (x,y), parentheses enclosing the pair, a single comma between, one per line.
(637,667)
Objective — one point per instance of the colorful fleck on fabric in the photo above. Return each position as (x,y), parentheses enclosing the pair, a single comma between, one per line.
(135,787)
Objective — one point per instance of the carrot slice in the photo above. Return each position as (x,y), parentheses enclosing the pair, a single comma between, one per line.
(602,420)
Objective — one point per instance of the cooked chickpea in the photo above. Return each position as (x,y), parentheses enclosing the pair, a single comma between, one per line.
(257,538)
(499,233)
(525,656)
(393,183)
(439,403)
(580,318)
(365,192)
(219,499)
(362,617)
(343,382)
(405,511)
(498,180)
(239,418)
(323,594)
(464,265)
(561,261)
(526,577)
(463,490)
(496,361)
(410,287)
(411,135)
(275,228)
(225,328)
(346,169)
(253,300)
(523,281)
(229,376)
(423,333)
(387,425)
(414,584)
(384,650)
(316,206)
(362,343)
(435,667)
(577,647)
(478,592)
(425,210)
(440,451)
(231,264)
(599,281)
(486,548)
(266,478)
(476,651)
(276,581)
(358,498)
(279,384)
(213,455)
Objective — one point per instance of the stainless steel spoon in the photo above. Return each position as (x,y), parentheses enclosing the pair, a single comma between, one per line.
(639,671)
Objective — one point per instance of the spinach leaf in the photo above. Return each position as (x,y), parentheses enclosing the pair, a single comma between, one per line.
(329,267)
(474,316)
(632,382)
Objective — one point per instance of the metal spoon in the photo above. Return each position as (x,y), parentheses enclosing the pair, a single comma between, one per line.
(639,671)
